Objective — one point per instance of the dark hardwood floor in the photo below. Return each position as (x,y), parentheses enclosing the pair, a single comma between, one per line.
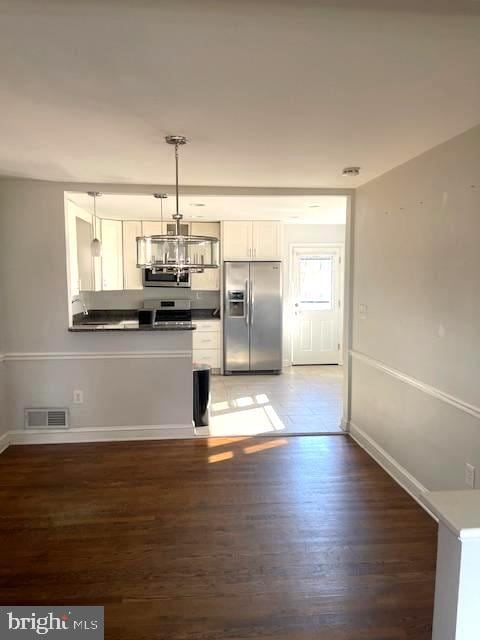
(297,538)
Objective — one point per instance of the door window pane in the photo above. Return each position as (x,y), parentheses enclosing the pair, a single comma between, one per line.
(316,282)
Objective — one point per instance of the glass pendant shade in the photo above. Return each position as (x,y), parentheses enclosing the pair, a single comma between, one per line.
(177,252)
(96,247)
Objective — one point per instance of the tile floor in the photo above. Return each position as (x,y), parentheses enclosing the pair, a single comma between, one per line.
(302,400)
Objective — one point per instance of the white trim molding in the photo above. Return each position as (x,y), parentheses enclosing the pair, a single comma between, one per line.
(99,434)
(4,441)
(453,401)
(94,355)
(401,476)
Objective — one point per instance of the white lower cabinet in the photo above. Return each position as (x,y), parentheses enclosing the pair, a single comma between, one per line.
(207,346)
(206,340)
(207,356)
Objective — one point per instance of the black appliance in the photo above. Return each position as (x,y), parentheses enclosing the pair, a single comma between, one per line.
(166,313)
(165,278)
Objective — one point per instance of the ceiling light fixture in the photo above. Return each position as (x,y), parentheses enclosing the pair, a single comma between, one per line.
(177,252)
(96,245)
(351,171)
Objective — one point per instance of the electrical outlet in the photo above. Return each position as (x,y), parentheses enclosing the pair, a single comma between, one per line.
(470,475)
(78,396)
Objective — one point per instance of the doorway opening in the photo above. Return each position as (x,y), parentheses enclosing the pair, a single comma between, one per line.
(311,394)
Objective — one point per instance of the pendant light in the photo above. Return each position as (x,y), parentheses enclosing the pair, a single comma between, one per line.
(177,252)
(96,245)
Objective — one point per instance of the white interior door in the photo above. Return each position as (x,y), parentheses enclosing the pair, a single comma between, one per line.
(316,280)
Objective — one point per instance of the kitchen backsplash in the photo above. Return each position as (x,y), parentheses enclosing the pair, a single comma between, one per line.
(134,299)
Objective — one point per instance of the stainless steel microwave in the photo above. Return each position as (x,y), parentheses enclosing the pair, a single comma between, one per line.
(165,278)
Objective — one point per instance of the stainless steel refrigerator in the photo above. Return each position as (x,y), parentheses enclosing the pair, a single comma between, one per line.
(252,316)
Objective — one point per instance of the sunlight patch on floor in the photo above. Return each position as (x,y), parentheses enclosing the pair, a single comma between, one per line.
(220,457)
(270,444)
(247,422)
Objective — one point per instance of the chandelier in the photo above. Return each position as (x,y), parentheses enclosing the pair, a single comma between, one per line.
(177,252)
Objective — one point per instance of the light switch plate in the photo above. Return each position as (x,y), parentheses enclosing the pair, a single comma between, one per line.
(78,396)
(470,475)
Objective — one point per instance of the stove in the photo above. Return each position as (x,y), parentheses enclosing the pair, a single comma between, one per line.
(166,313)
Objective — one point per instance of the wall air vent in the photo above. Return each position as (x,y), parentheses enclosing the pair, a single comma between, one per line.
(48,418)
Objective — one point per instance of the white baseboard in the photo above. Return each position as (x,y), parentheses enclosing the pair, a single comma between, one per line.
(99,434)
(401,476)
(286,364)
(4,441)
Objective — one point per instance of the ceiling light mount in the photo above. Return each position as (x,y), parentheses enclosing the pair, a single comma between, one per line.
(351,171)
(176,140)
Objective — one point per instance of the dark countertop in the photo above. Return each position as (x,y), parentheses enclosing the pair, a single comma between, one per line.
(128,325)
(205,314)
(127,320)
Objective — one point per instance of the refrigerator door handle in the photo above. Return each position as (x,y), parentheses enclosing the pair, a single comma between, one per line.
(247,302)
(251,303)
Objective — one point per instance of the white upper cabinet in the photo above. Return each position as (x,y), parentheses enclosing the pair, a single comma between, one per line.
(132,276)
(237,240)
(267,240)
(209,280)
(246,240)
(112,255)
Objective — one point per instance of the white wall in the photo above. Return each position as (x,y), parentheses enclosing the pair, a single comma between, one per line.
(3,422)
(416,269)
(118,390)
(302,234)
(3,411)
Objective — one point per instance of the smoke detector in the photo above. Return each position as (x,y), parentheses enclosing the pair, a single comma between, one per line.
(351,171)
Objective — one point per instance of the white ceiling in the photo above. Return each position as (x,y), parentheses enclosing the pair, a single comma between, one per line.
(271,93)
(289,209)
